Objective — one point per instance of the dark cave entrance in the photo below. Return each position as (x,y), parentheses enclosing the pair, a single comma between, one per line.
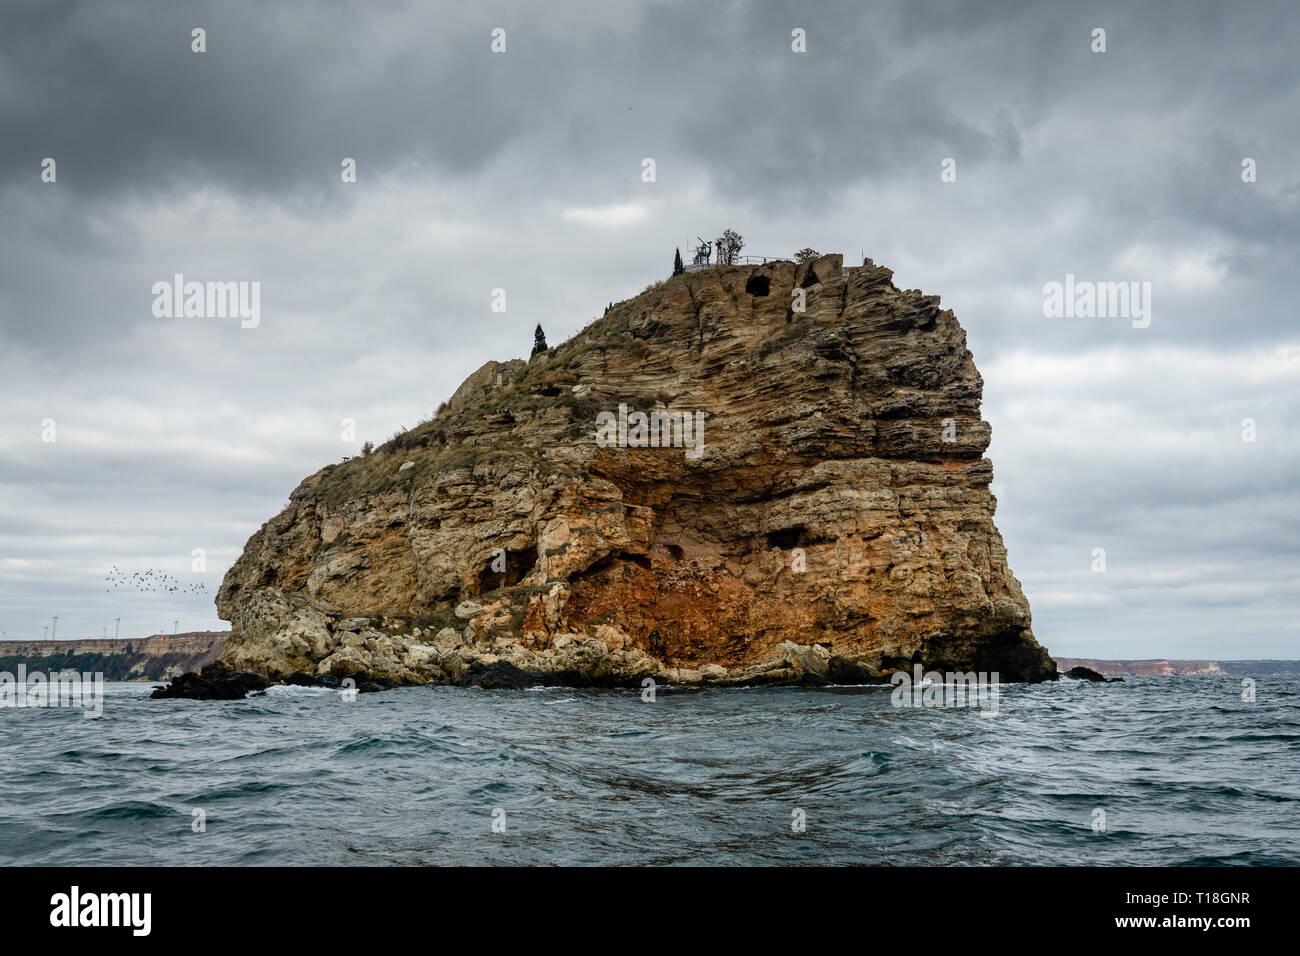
(517,566)
(787,538)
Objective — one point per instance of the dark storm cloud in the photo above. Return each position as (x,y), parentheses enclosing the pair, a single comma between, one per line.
(115,93)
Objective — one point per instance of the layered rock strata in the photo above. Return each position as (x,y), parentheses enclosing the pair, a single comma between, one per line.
(815,509)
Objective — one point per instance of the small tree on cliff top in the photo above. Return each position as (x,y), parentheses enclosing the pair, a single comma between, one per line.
(728,246)
(678,268)
(539,341)
(806,253)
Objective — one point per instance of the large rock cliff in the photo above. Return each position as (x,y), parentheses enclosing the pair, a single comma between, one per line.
(834,523)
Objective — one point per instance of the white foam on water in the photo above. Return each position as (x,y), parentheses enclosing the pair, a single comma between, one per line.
(292,690)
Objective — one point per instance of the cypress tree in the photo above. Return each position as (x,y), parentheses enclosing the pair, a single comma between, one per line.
(539,341)
(678,268)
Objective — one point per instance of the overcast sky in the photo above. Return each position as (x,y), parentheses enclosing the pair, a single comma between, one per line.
(522,170)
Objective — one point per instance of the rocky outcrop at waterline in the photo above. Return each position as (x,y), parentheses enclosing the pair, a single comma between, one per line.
(213,682)
(751,474)
(1088,674)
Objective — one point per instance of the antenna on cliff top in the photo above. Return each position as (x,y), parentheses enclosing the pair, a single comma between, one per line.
(703,251)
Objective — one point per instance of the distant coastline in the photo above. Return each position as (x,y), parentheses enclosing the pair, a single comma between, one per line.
(153,658)
(1159,667)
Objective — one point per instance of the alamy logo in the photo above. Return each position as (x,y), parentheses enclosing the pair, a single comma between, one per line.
(67,688)
(208,300)
(657,430)
(954,689)
(103,909)
(1098,300)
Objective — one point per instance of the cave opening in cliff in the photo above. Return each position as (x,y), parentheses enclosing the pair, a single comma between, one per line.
(640,560)
(787,538)
(676,551)
(758,285)
(517,565)
(618,562)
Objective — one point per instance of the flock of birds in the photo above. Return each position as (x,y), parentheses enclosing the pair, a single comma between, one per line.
(151,579)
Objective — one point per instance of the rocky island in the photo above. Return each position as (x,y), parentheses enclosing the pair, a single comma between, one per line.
(746,474)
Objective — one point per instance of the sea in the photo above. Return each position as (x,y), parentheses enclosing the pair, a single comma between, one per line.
(1152,771)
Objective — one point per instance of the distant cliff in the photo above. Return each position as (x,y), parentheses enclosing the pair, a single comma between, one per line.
(1168,668)
(750,474)
(1151,668)
(157,657)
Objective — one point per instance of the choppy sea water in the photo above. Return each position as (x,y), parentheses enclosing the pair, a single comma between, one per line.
(1184,770)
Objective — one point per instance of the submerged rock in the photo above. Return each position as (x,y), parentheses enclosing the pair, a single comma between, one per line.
(1087,673)
(814,508)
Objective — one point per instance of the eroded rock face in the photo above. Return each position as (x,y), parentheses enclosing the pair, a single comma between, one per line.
(834,525)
